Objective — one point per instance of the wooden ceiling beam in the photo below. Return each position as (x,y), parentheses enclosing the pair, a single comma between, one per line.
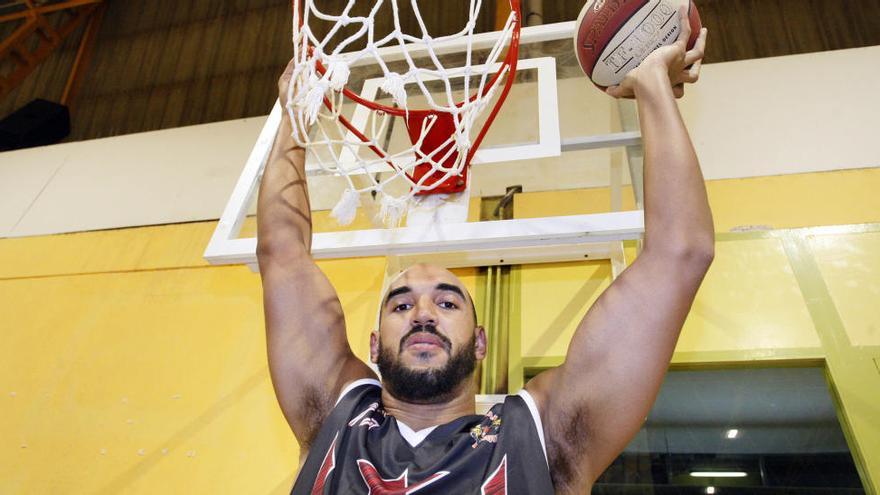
(46,9)
(83,56)
(14,40)
(16,47)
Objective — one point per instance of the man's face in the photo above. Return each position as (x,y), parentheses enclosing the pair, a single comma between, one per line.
(428,341)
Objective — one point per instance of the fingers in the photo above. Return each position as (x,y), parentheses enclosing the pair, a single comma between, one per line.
(614,91)
(694,71)
(618,92)
(288,71)
(699,50)
(678,90)
(685,23)
(284,84)
(692,74)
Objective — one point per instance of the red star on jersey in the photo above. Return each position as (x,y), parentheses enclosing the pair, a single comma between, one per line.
(396,486)
(326,467)
(497,482)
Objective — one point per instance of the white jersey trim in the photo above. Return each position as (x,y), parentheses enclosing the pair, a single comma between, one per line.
(533,408)
(357,383)
(412,437)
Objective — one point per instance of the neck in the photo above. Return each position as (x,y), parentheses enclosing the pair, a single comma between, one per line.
(421,416)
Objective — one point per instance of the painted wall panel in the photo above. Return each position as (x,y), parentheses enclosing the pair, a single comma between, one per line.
(850,265)
(136,381)
(21,183)
(749,300)
(555,297)
(100,372)
(143,248)
(125,365)
(782,115)
(176,175)
(797,200)
(750,118)
(778,202)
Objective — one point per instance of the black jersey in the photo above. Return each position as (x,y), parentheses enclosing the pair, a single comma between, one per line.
(360,450)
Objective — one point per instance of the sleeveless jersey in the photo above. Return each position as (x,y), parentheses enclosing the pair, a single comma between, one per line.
(360,450)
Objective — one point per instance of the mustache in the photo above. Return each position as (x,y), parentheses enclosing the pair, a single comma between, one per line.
(426,329)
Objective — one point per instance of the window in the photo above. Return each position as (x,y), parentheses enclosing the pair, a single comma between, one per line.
(736,432)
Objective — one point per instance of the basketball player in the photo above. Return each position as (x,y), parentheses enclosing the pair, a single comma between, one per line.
(417,431)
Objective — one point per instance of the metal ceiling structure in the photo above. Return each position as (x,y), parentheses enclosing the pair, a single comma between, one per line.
(164,63)
(33,30)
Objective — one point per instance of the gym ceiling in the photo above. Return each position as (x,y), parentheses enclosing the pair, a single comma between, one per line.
(126,66)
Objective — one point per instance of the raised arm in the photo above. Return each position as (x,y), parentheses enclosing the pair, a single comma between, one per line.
(309,357)
(597,400)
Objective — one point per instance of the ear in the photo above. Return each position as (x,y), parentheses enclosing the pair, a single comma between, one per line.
(480,342)
(374,346)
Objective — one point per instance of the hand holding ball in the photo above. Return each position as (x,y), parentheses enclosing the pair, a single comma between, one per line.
(614,36)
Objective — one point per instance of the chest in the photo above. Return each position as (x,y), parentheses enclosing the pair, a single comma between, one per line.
(363,450)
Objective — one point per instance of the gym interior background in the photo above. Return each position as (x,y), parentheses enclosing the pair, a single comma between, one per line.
(128,364)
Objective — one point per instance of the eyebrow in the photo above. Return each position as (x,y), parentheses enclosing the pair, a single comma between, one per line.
(451,288)
(396,292)
(441,286)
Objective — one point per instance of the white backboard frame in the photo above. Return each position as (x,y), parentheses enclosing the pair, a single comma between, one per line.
(565,238)
(548,117)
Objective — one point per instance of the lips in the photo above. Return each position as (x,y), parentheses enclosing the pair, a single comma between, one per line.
(426,339)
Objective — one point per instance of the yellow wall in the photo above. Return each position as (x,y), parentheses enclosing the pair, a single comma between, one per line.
(840,278)
(779,202)
(793,295)
(129,365)
(726,316)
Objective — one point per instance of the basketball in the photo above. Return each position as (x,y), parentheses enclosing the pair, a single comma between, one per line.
(613,36)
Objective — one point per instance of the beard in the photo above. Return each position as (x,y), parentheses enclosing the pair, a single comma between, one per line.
(426,386)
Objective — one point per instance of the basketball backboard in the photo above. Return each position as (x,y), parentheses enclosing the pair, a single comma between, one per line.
(555,131)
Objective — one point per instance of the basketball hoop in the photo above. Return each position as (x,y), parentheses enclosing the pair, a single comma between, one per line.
(441,135)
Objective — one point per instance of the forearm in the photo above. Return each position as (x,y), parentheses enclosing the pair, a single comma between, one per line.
(677,214)
(284,221)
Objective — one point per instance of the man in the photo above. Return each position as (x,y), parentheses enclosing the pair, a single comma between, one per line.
(418,432)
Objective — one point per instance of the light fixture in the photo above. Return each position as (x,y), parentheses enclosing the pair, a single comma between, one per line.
(718,474)
(710,489)
(732,433)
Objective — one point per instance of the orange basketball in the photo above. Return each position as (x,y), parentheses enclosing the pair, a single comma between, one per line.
(613,36)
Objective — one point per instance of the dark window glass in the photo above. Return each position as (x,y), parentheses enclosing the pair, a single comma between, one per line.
(737,432)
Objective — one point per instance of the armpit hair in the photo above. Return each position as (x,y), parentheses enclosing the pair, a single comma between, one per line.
(316,405)
(566,447)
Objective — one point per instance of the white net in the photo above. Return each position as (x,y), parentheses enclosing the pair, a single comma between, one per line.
(356,146)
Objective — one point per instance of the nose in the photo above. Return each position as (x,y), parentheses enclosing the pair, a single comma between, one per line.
(425,313)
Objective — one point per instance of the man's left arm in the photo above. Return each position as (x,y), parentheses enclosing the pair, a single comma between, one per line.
(595,402)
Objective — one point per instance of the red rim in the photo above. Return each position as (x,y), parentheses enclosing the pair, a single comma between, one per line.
(510,61)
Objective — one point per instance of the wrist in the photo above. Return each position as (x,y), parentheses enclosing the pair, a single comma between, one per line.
(653,81)
(284,140)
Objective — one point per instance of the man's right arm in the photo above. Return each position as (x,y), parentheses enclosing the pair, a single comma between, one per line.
(309,357)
